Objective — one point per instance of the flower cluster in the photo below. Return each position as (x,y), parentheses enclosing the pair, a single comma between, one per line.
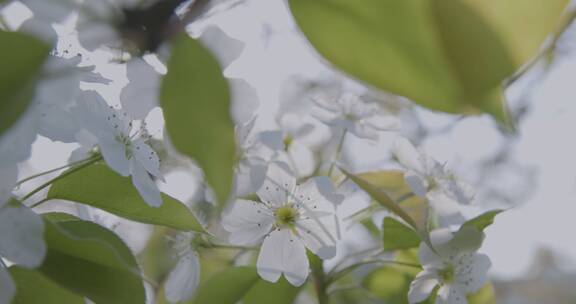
(295,178)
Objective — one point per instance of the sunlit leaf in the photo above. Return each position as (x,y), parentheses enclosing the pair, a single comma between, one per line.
(390,181)
(413,210)
(21,58)
(451,56)
(195,98)
(485,295)
(92,261)
(35,288)
(100,187)
(398,236)
(484,220)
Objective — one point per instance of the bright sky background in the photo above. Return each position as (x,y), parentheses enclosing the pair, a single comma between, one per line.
(274,50)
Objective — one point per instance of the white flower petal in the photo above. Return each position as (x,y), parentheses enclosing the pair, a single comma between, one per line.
(57,124)
(450,294)
(114,153)
(446,209)
(407,155)
(21,236)
(417,183)
(53,11)
(93,35)
(145,184)
(384,122)
(248,221)
(280,253)
(225,48)
(141,94)
(91,112)
(183,279)
(474,276)
(244,100)
(422,286)
(301,158)
(277,186)
(439,238)
(8,178)
(7,286)
(146,156)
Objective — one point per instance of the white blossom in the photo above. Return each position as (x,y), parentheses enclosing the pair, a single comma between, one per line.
(429,179)
(288,218)
(254,156)
(183,280)
(124,149)
(21,230)
(360,117)
(454,266)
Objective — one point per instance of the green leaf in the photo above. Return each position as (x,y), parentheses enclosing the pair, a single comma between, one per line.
(35,288)
(451,56)
(227,287)
(398,236)
(389,283)
(92,261)
(484,220)
(100,187)
(390,181)
(195,98)
(263,292)
(486,295)
(21,58)
(414,211)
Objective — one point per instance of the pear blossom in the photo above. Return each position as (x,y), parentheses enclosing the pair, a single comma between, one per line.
(289,218)
(256,151)
(360,117)
(429,179)
(183,280)
(454,265)
(124,149)
(21,231)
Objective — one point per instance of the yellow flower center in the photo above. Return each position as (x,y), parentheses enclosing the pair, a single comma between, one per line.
(286,216)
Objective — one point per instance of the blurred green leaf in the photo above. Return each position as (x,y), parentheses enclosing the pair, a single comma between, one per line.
(389,283)
(397,236)
(484,220)
(450,56)
(92,261)
(263,292)
(195,98)
(390,181)
(227,287)
(485,295)
(35,288)
(21,58)
(100,187)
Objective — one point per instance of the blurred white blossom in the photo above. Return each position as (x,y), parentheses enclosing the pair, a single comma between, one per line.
(454,265)
(429,179)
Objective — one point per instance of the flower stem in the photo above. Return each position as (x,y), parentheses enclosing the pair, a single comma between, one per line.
(319,277)
(338,152)
(233,247)
(63,175)
(53,170)
(342,273)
